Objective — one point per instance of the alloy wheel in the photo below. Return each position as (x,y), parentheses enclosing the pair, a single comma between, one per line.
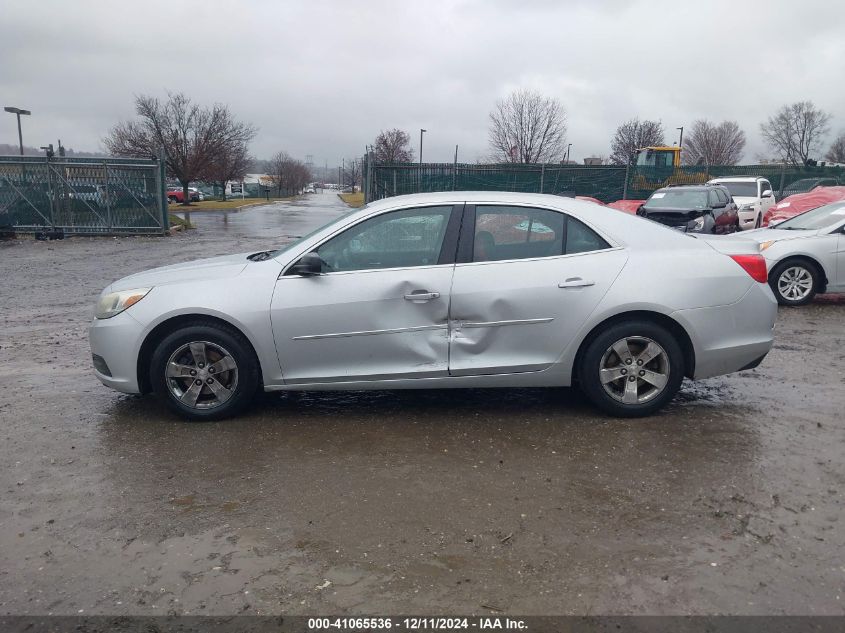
(795,283)
(201,375)
(634,370)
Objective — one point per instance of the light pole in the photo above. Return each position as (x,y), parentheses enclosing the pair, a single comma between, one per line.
(568,147)
(422,131)
(18,112)
(681,140)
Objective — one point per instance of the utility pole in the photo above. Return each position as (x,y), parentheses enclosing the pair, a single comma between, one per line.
(681,141)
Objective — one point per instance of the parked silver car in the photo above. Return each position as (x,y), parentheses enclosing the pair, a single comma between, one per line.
(805,254)
(458,289)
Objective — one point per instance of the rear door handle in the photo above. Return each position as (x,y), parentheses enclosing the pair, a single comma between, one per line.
(422,295)
(576,282)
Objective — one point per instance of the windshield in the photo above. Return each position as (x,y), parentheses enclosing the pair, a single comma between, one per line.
(655,158)
(677,199)
(819,218)
(302,238)
(740,189)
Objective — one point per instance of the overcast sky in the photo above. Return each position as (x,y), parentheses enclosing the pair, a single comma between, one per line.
(322,78)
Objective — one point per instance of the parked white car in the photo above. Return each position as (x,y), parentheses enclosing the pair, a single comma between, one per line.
(753,197)
(805,254)
(453,289)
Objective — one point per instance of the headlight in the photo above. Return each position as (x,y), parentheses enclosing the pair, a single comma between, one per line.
(697,224)
(766,244)
(116,302)
(747,207)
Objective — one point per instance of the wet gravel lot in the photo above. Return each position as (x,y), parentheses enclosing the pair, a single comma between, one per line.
(522,501)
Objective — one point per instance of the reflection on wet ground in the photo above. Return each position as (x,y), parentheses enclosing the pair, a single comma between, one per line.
(434,501)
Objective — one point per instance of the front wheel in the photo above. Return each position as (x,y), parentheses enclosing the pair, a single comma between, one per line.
(205,371)
(794,283)
(632,369)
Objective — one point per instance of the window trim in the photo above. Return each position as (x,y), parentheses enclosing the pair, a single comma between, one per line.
(466,240)
(447,250)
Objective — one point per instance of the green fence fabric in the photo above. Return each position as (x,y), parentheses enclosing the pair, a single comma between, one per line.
(82,195)
(604,182)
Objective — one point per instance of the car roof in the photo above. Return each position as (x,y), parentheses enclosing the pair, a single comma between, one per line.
(721,179)
(705,187)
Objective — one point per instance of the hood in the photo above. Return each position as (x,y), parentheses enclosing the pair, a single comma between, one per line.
(686,211)
(741,200)
(213,268)
(765,235)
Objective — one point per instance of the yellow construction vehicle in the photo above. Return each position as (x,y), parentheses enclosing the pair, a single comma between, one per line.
(660,166)
(658,156)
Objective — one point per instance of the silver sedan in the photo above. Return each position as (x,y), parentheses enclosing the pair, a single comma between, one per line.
(805,254)
(459,289)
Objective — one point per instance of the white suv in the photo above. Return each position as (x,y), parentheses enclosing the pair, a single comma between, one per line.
(753,197)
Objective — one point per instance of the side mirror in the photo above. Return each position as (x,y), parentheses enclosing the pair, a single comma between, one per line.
(309,265)
(767,194)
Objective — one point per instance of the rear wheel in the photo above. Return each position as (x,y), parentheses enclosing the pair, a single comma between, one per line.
(794,282)
(632,369)
(205,371)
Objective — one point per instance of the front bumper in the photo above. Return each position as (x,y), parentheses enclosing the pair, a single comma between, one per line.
(732,337)
(116,341)
(747,219)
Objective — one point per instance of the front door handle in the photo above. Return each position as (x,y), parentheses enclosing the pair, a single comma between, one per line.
(576,282)
(422,295)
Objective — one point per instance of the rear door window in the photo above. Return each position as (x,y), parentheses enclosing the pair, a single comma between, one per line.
(504,232)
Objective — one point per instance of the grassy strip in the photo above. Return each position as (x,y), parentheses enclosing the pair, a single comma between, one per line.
(224,205)
(353,199)
(175,221)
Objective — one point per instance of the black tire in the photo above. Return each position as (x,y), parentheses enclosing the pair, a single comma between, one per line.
(599,355)
(172,199)
(799,270)
(759,221)
(218,341)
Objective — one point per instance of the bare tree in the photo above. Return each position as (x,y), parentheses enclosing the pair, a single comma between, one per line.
(230,165)
(288,175)
(711,144)
(527,127)
(352,174)
(631,136)
(393,146)
(796,131)
(836,153)
(190,135)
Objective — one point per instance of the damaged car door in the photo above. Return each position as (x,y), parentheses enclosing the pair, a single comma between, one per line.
(526,280)
(376,305)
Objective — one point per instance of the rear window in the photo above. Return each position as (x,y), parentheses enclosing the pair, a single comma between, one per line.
(678,199)
(741,189)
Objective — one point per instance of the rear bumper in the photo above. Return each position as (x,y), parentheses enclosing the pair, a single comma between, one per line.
(116,342)
(733,337)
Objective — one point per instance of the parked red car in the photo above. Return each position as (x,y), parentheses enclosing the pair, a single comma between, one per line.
(176,194)
(798,203)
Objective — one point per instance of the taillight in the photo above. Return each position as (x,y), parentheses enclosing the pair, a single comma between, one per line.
(754,265)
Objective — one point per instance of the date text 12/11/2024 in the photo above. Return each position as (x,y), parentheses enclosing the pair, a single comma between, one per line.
(416,624)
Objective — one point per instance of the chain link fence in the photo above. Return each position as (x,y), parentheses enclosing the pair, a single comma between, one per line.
(607,183)
(77,196)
